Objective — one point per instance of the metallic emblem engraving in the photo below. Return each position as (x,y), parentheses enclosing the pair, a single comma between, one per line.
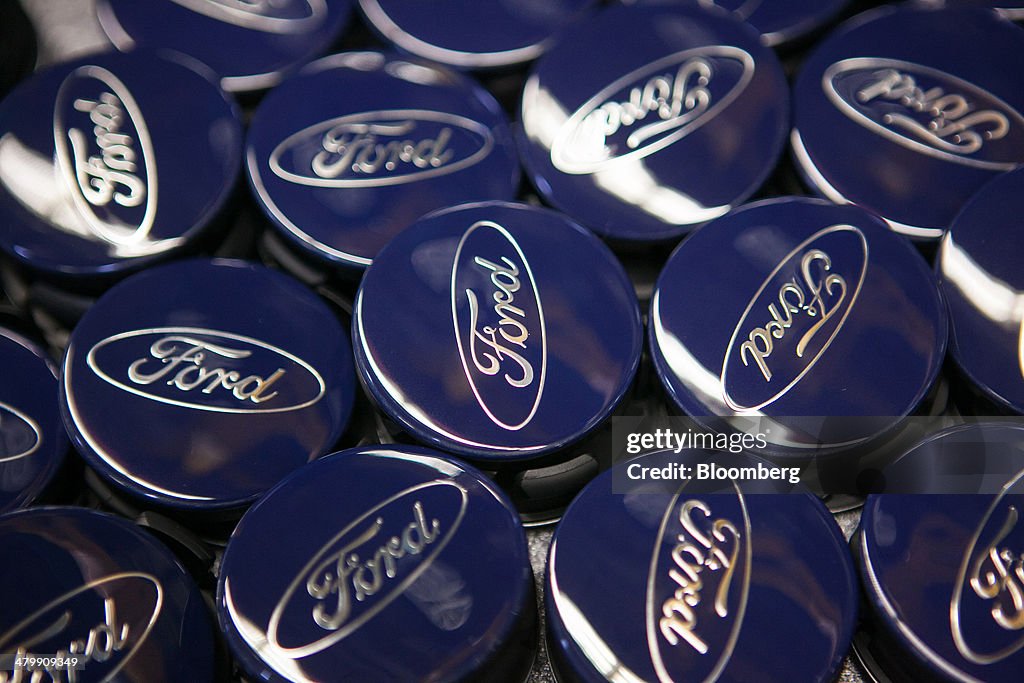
(269,16)
(651,108)
(499,324)
(381,148)
(206,370)
(125,606)
(106,156)
(928,111)
(20,435)
(990,582)
(693,605)
(365,567)
(806,300)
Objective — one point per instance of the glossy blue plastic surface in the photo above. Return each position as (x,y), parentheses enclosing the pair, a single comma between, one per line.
(357,146)
(392,563)
(791,308)
(473,33)
(942,572)
(778,21)
(97,586)
(112,161)
(704,581)
(497,331)
(32,438)
(251,45)
(1012,9)
(623,121)
(908,112)
(981,279)
(202,383)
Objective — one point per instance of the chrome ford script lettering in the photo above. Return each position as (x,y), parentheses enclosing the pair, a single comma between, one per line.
(694,554)
(20,435)
(794,317)
(106,156)
(206,370)
(365,567)
(928,111)
(103,622)
(651,108)
(381,148)
(697,589)
(269,16)
(499,324)
(987,608)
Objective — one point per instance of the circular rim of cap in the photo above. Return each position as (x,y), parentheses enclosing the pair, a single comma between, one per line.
(841,220)
(968,220)
(406,40)
(808,101)
(155,555)
(558,174)
(56,452)
(476,448)
(99,67)
(803,23)
(447,469)
(472,96)
(614,488)
(885,606)
(123,41)
(337,387)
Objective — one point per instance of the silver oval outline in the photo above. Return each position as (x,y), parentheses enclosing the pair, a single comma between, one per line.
(962,647)
(727,51)
(66,165)
(842,321)
(748,558)
(462,122)
(258,22)
(540,313)
(847,65)
(31,423)
(396,590)
(158,607)
(395,393)
(90,361)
